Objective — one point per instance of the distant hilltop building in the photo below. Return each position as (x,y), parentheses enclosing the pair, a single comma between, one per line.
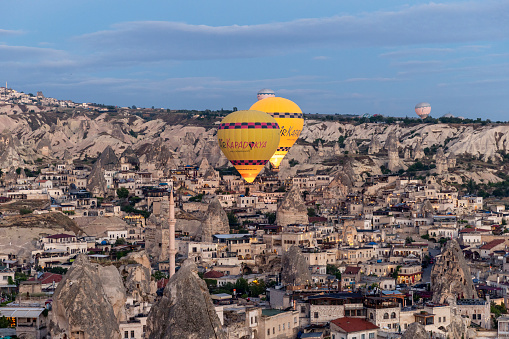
(30,102)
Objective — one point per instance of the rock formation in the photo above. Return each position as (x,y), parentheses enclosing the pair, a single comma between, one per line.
(441,161)
(156,154)
(349,235)
(108,159)
(185,309)
(157,232)
(295,268)
(215,222)
(292,209)
(415,331)
(136,272)
(351,146)
(87,302)
(450,276)
(9,152)
(336,150)
(96,183)
(418,150)
(374,146)
(391,145)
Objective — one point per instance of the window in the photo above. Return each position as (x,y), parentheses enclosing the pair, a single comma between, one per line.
(295,320)
(273,330)
(371,335)
(303,309)
(268,331)
(478,316)
(386,315)
(473,316)
(283,327)
(371,316)
(126,334)
(132,334)
(393,315)
(363,336)
(316,315)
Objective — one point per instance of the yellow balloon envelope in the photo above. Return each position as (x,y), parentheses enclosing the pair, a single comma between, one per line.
(248,139)
(290,119)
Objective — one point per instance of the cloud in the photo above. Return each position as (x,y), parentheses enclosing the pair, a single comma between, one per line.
(421,24)
(7,32)
(371,79)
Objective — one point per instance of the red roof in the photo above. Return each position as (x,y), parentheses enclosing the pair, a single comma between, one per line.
(471,230)
(213,275)
(317,219)
(352,270)
(491,244)
(48,278)
(350,325)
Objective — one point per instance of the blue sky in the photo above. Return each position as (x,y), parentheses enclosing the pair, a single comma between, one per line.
(328,56)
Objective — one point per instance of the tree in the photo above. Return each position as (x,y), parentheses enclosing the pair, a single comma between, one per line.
(242,286)
(120,241)
(24,210)
(311,212)
(4,322)
(158,275)
(122,193)
(232,219)
(271,217)
(256,288)
(333,270)
(396,271)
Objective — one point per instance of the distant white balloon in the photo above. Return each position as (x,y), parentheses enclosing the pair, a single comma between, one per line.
(265,93)
(423,109)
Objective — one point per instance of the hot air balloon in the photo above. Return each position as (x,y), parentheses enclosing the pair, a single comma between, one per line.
(265,93)
(290,119)
(423,109)
(248,139)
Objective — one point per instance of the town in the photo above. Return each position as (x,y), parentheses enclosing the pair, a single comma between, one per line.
(360,237)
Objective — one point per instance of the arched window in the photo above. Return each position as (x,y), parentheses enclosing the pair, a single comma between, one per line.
(386,315)
(393,315)
(371,316)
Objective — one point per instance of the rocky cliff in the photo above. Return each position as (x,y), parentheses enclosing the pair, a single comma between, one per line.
(292,209)
(167,140)
(450,276)
(295,268)
(185,310)
(215,222)
(415,331)
(89,300)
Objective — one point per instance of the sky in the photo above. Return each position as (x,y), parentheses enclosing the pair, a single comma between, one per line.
(329,56)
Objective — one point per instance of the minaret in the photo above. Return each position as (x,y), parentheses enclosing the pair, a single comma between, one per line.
(172,222)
